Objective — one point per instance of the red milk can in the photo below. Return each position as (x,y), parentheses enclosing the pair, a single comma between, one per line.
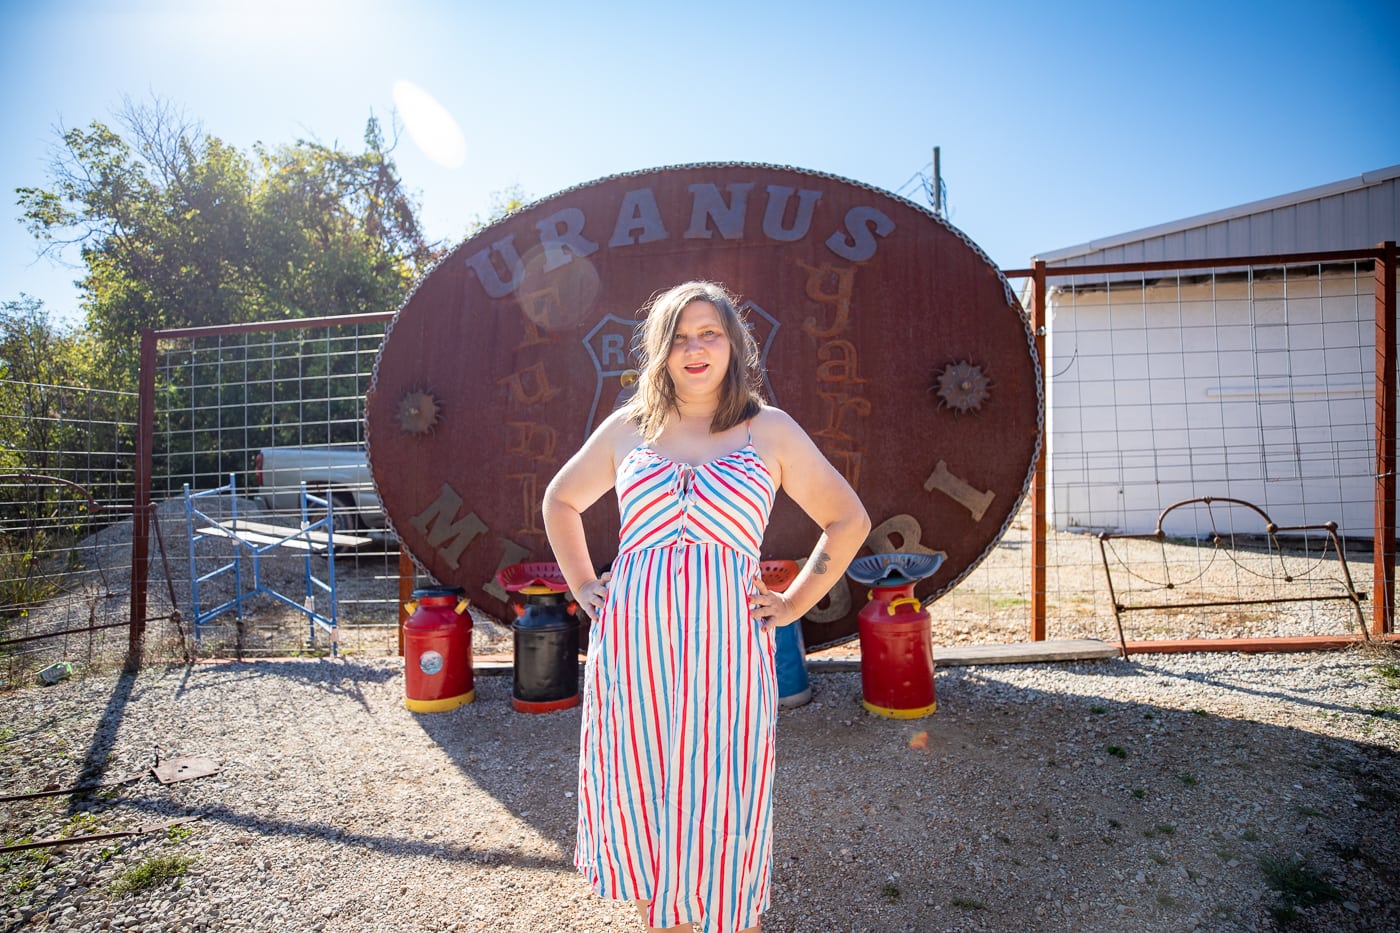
(437,651)
(896,636)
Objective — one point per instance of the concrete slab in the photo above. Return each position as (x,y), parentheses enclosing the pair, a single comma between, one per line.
(847,657)
(1068,649)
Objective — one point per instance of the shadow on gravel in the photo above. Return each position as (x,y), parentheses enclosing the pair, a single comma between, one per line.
(1141,666)
(1107,796)
(332,676)
(1282,672)
(398,846)
(104,737)
(1078,809)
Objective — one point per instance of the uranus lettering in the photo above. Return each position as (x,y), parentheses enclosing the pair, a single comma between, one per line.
(858,242)
(561,233)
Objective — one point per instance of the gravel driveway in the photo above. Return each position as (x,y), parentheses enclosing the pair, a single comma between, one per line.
(1189,792)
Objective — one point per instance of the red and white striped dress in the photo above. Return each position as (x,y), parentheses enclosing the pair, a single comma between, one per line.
(680,699)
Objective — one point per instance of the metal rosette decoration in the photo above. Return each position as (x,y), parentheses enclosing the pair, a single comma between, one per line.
(887,334)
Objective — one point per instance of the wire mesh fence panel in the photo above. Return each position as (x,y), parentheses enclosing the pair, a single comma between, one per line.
(1255,384)
(268,411)
(66,480)
(1246,384)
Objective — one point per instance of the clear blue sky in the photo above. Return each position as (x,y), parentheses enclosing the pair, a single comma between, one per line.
(1058,122)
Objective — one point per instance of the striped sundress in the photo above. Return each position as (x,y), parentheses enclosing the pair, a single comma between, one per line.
(680,699)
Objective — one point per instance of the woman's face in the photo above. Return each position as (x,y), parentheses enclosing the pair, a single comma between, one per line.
(700,351)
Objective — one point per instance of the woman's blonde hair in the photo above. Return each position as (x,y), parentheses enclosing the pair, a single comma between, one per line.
(740,396)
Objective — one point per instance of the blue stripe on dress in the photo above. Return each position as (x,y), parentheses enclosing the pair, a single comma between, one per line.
(678,618)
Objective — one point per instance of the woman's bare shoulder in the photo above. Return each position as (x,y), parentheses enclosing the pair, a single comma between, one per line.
(617,434)
(775,426)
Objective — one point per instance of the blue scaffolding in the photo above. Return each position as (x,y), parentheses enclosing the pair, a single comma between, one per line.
(316,538)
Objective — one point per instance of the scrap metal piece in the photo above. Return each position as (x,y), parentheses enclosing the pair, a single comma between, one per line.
(185,769)
(963,387)
(53,791)
(95,837)
(419,412)
(167,772)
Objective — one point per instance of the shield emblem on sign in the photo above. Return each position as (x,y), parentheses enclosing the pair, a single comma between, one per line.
(609,345)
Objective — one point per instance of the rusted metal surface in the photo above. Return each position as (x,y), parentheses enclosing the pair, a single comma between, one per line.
(860,301)
(1383,558)
(1038,479)
(75,790)
(141,830)
(141,509)
(1218,541)
(92,504)
(169,771)
(175,770)
(864,306)
(58,633)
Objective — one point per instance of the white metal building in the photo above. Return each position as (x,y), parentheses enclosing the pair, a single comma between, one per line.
(1254,384)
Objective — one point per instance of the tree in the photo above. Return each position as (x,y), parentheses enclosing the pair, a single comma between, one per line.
(51,425)
(39,372)
(178,229)
(504,202)
(335,231)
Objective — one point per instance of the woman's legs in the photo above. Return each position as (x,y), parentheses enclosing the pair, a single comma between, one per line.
(642,910)
(683,928)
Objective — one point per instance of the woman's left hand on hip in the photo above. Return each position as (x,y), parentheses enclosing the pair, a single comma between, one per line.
(769,607)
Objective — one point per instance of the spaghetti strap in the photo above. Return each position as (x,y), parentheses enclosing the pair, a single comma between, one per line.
(748,426)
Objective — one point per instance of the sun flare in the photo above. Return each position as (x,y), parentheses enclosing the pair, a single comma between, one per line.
(430,125)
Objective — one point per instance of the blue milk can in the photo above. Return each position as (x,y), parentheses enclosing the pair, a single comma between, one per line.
(790,654)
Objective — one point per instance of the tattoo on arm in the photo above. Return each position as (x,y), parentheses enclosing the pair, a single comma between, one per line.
(819,562)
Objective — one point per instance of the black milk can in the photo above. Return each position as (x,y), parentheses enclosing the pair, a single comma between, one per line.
(546,634)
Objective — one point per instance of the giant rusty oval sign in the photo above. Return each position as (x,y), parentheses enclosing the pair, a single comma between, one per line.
(884,332)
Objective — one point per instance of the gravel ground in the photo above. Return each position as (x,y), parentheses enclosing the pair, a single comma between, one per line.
(1188,792)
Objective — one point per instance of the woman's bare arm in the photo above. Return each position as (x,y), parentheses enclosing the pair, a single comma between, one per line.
(819,490)
(582,481)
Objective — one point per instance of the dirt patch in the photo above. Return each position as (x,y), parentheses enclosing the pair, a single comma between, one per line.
(1222,793)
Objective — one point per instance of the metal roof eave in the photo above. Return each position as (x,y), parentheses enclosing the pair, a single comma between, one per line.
(1365,180)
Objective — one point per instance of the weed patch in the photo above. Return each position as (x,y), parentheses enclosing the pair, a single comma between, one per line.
(1297,883)
(150,873)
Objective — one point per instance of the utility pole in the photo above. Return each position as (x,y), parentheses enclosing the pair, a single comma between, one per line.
(937,183)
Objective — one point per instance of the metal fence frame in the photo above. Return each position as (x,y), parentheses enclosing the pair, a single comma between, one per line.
(142,508)
(1383,258)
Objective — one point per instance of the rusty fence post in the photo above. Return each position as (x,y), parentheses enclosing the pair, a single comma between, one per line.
(141,499)
(406,578)
(1383,554)
(1038,556)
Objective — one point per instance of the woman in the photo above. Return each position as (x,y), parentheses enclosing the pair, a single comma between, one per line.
(680,695)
